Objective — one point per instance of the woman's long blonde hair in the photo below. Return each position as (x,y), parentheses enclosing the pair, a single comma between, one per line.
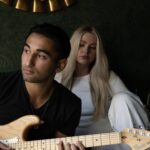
(99,74)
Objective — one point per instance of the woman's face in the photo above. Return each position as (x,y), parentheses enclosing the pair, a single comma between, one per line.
(87,49)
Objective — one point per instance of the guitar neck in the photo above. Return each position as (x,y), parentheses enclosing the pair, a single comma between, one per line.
(87,140)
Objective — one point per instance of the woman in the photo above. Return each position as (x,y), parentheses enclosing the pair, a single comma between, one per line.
(107,105)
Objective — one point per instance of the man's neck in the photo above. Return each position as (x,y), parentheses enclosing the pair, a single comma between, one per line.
(39,93)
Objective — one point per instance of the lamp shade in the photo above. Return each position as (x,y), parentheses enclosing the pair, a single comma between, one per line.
(39,5)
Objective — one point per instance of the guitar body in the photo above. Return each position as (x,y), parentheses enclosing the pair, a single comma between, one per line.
(18,128)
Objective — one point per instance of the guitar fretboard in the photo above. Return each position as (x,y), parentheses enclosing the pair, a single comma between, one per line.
(87,140)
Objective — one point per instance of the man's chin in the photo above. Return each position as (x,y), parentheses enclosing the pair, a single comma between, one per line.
(27,79)
(31,80)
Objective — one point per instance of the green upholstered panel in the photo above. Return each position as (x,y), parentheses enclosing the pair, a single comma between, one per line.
(123,24)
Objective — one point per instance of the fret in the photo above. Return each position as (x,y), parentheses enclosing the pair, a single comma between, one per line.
(68,140)
(82,139)
(39,144)
(89,142)
(31,145)
(105,139)
(57,141)
(47,144)
(20,146)
(63,140)
(35,143)
(115,138)
(43,144)
(52,144)
(27,145)
(75,139)
(96,140)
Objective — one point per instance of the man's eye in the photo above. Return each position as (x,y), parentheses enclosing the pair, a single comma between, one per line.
(42,56)
(26,51)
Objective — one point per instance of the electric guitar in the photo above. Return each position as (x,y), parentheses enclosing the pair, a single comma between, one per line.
(14,133)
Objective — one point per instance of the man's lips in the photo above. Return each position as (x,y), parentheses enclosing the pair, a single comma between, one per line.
(28,71)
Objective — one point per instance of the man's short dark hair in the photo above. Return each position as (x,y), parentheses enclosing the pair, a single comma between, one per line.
(56,34)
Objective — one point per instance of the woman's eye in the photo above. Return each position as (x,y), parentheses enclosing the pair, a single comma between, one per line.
(81,45)
(94,48)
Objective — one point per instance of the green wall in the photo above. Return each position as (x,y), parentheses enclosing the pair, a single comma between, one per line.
(124,27)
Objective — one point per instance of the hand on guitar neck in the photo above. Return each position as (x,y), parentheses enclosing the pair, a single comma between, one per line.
(61,146)
(69,146)
(4,147)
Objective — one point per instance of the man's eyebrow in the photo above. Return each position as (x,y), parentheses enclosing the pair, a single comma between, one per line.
(26,45)
(39,50)
(44,51)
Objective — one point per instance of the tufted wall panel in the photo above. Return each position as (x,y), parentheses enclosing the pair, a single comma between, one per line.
(124,27)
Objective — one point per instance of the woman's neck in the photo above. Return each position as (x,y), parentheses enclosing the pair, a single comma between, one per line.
(81,70)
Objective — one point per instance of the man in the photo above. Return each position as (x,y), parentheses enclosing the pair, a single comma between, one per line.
(34,91)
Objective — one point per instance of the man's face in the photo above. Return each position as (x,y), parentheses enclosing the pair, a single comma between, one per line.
(39,59)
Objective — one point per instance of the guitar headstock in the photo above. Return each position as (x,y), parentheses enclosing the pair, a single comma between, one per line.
(137,139)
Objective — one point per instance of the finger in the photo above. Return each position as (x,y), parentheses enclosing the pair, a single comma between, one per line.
(80,145)
(67,146)
(74,147)
(4,147)
(60,145)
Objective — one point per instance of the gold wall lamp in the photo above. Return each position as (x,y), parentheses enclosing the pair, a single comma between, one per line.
(39,5)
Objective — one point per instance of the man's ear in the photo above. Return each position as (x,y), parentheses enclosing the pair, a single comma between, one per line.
(61,65)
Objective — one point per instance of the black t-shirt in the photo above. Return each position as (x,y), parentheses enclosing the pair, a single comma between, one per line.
(60,113)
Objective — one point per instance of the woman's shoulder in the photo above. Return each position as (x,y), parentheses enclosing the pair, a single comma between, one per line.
(116,84)
(113,75)
(58,77)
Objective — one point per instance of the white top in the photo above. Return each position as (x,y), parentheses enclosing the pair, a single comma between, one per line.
(126,109)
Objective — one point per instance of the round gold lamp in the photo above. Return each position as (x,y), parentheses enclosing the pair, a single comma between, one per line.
(39,5)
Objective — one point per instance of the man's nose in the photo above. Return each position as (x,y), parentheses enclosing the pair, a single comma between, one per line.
(30,61)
